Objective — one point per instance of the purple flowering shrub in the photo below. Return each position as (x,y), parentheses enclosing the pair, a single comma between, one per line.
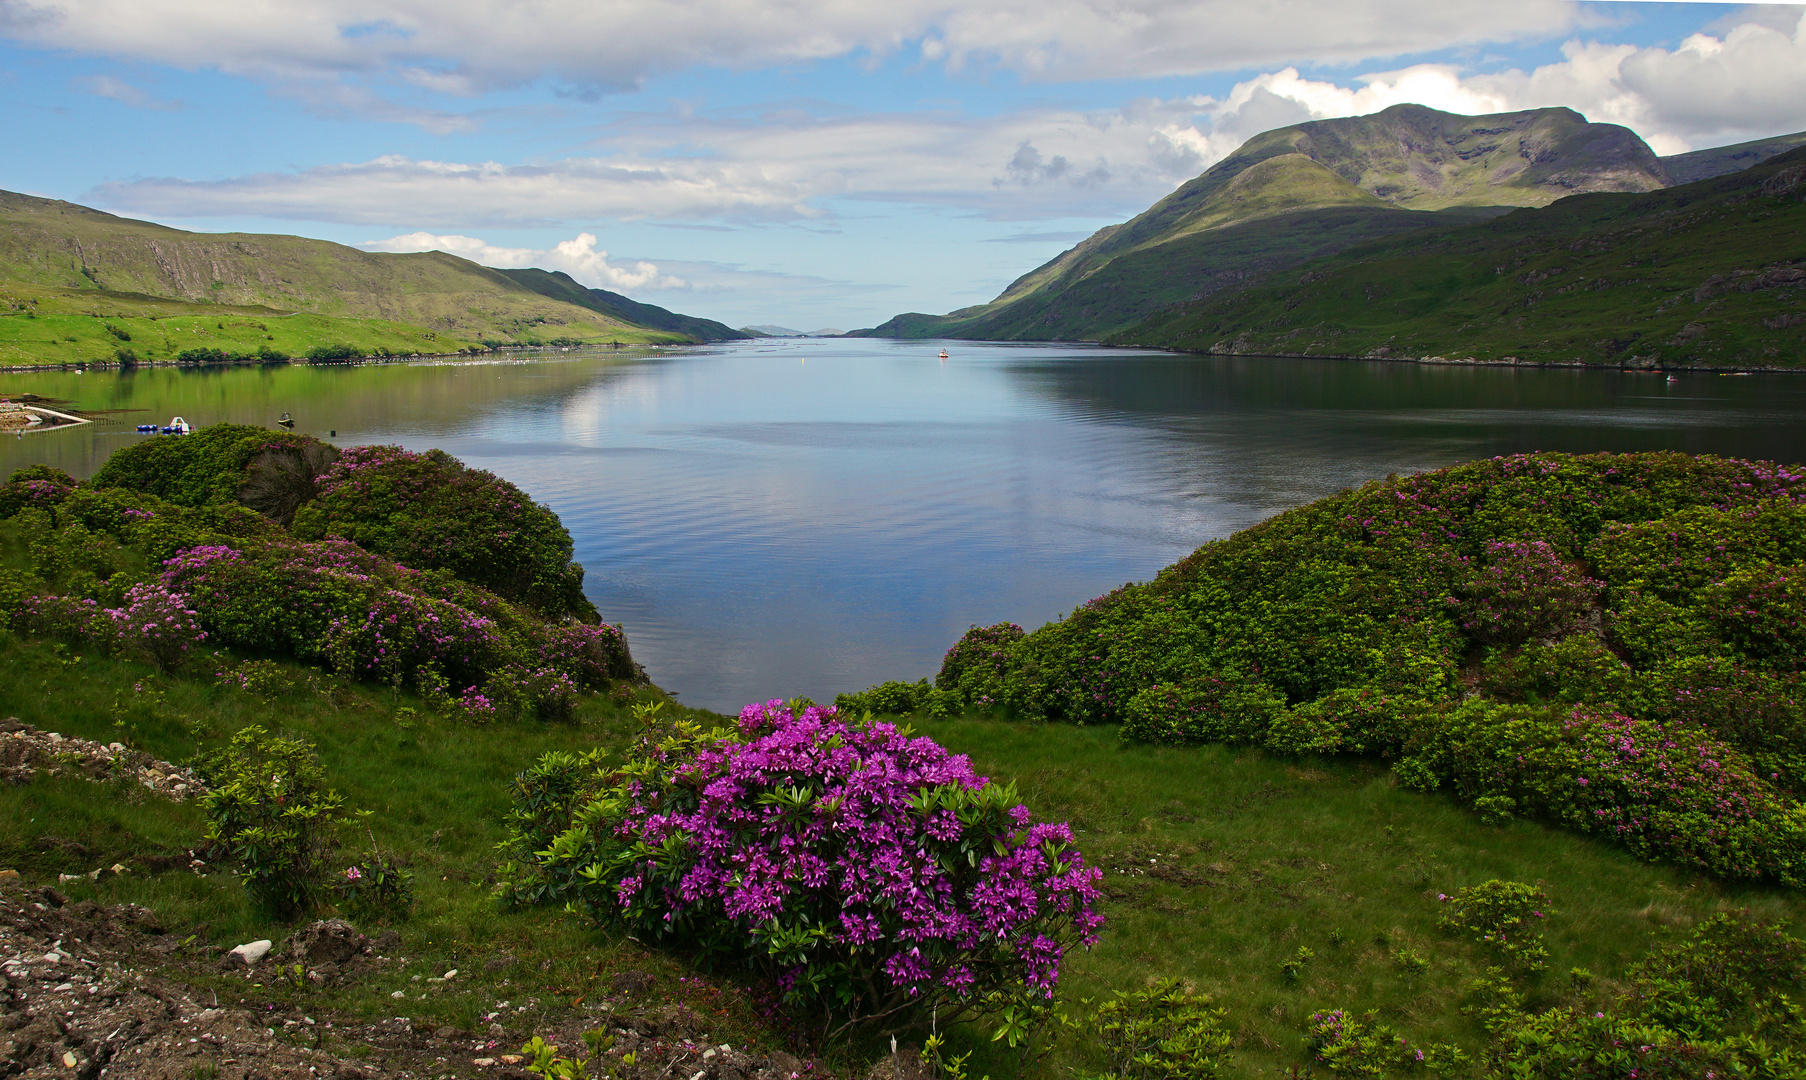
(1670,791)
(429,511)
(333,603)
(976,665)
(39,487)
(869,872)
(1763,713)
(1520,591)
(1762,611)
(157,625)
(153,624)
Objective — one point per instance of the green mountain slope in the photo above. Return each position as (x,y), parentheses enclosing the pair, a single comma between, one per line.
(1710,274)
(1299,192)
(561,286)
(59,260)
(1719,160)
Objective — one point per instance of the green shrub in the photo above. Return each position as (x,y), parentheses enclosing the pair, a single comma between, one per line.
(1202,710)
(206,466)
(1160,1032)
(35,487)
(269,810)
(374,888)
(428,511)
(1577,668)
(887,699)
(1349,1045)
(1502,916)
(1354,721)
(1664,790)
(335,351)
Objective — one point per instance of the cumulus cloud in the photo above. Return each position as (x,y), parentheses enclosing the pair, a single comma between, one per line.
(578,257)
(105,86)
(786,163)
(471,46)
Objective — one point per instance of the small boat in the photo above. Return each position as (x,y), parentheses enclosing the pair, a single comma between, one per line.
(286,420)
(1674,378)
(943,354)
(177,426)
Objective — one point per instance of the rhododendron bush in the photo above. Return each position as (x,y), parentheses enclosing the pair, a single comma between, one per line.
(868,871)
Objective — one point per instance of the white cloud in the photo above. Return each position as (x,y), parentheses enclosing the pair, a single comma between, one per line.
(785,164)
(577,257)
(105,86)
(470,46)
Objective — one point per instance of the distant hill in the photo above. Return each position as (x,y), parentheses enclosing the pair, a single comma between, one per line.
(1297,193)
(1708,274)
(67,265)
(561,286)
(1705,164)
(767,330)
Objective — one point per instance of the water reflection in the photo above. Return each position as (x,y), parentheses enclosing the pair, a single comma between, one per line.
(810,517)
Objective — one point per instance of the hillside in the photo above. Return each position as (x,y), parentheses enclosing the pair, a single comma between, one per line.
(62,259)
(559,285)
(1316,912)
(1709,274)
(1719,160)
(1299,192)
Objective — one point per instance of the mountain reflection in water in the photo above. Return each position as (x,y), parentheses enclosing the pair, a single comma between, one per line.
(778,518)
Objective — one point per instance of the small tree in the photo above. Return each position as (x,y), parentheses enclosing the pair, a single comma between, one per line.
(272,813)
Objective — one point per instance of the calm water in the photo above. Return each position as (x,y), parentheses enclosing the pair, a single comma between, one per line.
(809,517)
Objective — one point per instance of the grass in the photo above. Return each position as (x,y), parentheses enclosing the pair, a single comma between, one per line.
(1219,865)
(41,325)
(1596,279)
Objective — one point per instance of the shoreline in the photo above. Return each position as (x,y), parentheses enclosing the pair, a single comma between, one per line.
(522,353)
(1469,361)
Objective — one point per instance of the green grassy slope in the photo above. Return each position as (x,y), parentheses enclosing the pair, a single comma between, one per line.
(1719,160)
(1709,274)
(1221,863)
(1406,157)
(61,258)
(561,286)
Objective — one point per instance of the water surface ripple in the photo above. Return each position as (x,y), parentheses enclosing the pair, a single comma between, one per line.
(781,518)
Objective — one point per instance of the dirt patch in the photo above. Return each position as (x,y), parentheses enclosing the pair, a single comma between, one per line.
(25,751)
(90,991)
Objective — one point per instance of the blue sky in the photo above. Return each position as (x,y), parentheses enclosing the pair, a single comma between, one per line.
(809,163)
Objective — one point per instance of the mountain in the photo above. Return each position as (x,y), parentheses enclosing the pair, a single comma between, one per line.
(1301,192)
(561,286)
(1705,164)
(62,261)
(1709,274)
(767,330)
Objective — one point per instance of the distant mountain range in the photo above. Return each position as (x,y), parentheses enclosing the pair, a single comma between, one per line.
(62,261)
(784,331)
(1311,190)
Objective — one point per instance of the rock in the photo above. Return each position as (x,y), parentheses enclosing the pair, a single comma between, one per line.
(252,951)
(452,974)
(904,1064)
(783,1066)
(9,875)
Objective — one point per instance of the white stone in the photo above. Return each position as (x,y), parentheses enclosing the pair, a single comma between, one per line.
(452,974)
(252,951)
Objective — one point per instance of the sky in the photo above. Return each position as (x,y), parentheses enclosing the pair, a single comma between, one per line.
(804,163)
